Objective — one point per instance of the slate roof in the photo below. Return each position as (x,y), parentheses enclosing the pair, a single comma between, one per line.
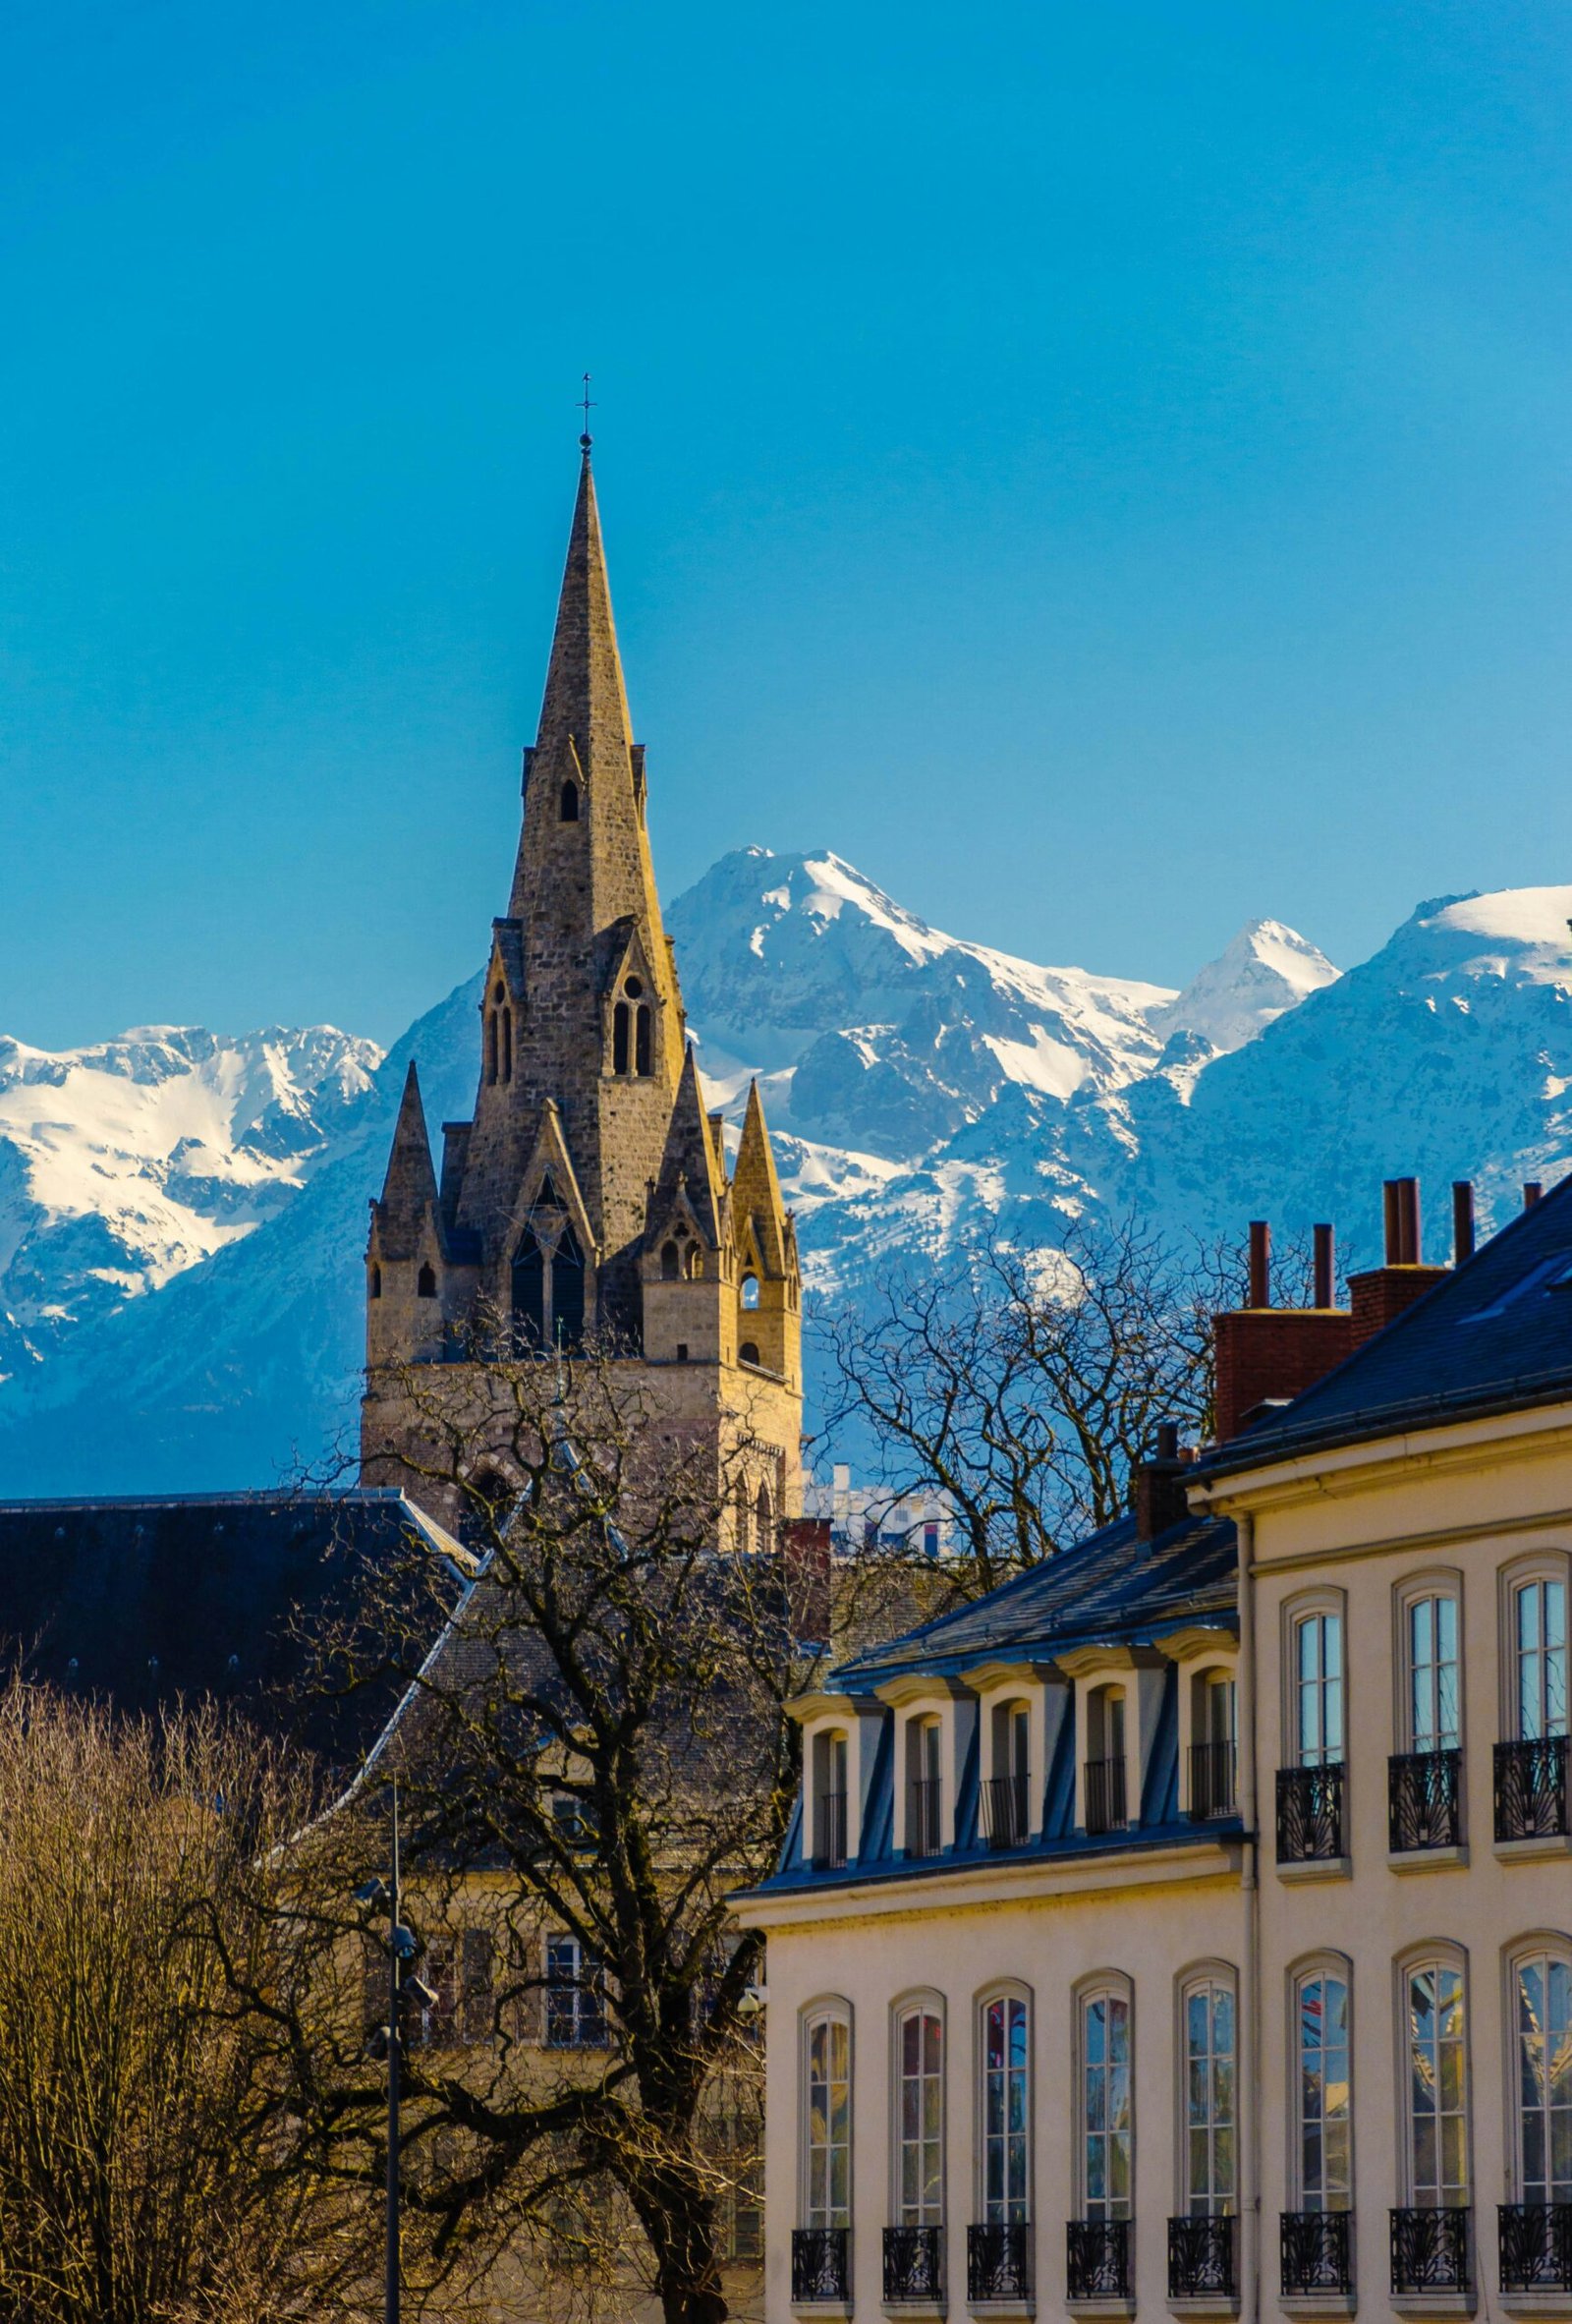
(203,1597)
(1494,1335)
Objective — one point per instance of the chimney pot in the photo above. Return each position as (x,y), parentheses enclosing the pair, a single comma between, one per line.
(1259,1263)
(1462,1220)
(1400,1206)
(1325,1266)
(1532,1191)
(1168,1440)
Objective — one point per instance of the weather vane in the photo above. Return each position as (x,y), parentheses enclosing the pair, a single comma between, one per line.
(587,407)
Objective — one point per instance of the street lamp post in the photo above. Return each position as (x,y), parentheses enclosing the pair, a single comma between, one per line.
(402,1946)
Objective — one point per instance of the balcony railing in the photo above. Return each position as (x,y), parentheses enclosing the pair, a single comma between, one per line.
(1105,1795)
(998,2261)
(1429,2251)
(1004,1811)
(1098,2259)
(922,1817)
(1530,1788)
(914,2263)
(830,1834)
(1318,2252)
(1212,1781)
(820,2266)
(1200,2259)
(1309,1814)
(1535,2247)
(1424,1800)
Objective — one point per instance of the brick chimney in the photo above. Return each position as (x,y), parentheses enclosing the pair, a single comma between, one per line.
(1266,1355)
(1157,1485)
(1381,1294)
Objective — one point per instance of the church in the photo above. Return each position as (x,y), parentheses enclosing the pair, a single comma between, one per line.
(587,1201)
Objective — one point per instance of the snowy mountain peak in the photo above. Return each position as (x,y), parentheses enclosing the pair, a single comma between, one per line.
(1267,968)
(1525,930)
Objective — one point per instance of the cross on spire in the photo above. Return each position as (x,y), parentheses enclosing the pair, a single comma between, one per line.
(587,407)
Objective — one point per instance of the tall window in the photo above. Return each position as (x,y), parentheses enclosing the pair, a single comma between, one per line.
(829,1798)
(1107,2130)
(1325,2124)
(1006,2093)
(828,2123)
(1437,2121)
(1539,1609)
(1433,1689)
(1104,1776)
(576,2006)
(922,1779)
(1212,1752)
(919,2119)
(1541,1994)
(1319,1690)
(1210,2101)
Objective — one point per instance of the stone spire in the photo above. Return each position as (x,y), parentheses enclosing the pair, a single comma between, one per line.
(755,1194)
(689,1161)
(409,1190)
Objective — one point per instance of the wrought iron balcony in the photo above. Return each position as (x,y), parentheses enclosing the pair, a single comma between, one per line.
(829,1833)
(1003,1806)
(1309,1814)
(914,2263)
(1201,2258)
(1424,1800)
(1098,2259)
(1535,2247)
(1105,1795)
(821,2265)
(1212,1781)
(1317,2254)
(1429,2251)
(1530,1788)
(998,2261)
(922,1817)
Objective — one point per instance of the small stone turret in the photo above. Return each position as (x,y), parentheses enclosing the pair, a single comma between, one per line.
(404,1258)
(770,1296)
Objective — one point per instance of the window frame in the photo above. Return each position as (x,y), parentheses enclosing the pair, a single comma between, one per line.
(1213,1975)
(1004,1990)
(1101,1985)
(585,1985)
(1451,1959)
(1555,1944)
(1548,1563)
(1323,1963)
(1407,1592)
(1307,1606)
(919,2001)
(834,2010)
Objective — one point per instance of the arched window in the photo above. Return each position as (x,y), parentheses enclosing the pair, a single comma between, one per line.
(743,1517)
(529,1290)
(492,1046)
(568,805)
(749,1291)
(1540,2000)
(374,1281)
(1103,1774)
(670,1263)
(1435,2042)
(1430,1717)
(507,1044)
(1539,1658)
(567,1292)
(924,1786)
(695,1266)
(920,2117)
(425,1284)
(1106,2134)
(826,2120)
(619,1038)
(1323,2098)
(1004,1801)
(1006,2110)
(763,1518)
(1317,1688)
(1207,2033)
(643,1062)
(748,1353)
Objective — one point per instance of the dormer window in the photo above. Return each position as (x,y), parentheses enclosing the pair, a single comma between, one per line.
(1006,1801)
(1105,1772)
(1214,1748)
(829,1765)
(924,1786)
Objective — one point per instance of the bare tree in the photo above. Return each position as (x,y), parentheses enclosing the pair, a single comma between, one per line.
(593,1758)
(1023,1386)
(143,2142)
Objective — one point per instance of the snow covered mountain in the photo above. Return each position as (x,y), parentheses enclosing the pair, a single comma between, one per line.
(922,1086)
(123,1165)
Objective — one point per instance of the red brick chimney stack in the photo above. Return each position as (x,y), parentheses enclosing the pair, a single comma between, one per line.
(1259,1263)
(1462,1220)
(1266,1355)
(1326,1291)
(1381,1293)
(1157,1487)
(1531,1193)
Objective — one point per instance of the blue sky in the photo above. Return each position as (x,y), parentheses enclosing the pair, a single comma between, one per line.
(1103,469)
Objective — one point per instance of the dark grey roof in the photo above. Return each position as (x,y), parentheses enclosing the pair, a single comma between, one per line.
(1493,1337)
(1111,1586)
(193,1597)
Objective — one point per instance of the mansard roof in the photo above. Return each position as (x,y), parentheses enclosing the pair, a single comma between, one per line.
(1494,1335)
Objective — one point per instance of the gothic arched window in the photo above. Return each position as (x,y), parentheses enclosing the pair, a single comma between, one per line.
(695,1264)
(569,803)
(507,1044)
(374,1285)
(748,1353)
(567,1292)
(619,1038)
(491,1047)
(749,1290)
(425,1284)
(529,1290)
(670,1263)
(642,1041)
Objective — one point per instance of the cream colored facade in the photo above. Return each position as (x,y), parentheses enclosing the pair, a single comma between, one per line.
(1366,1894)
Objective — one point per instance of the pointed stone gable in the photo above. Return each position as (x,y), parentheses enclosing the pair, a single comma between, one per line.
(409,1190)
(755,1195)
(689,1162)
